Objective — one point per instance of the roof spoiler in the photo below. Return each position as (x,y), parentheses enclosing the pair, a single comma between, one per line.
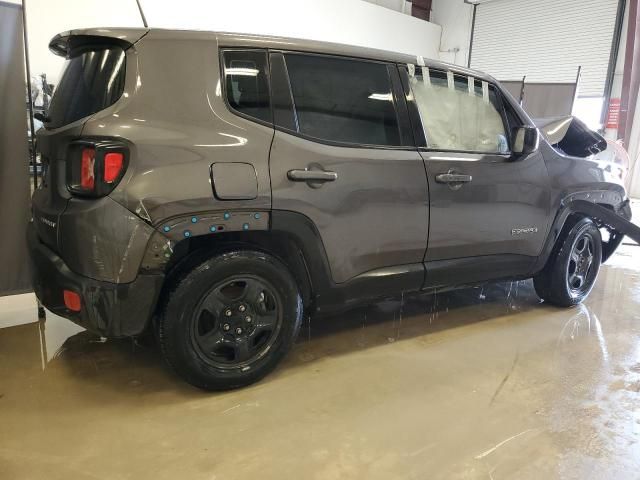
(64,43)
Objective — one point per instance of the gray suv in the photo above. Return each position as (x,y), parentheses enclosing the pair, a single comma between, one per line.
(213,188)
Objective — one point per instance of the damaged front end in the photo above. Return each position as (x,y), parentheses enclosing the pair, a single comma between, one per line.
(571,137)
(588,174)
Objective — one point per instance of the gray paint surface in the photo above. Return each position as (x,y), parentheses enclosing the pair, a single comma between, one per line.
(176,140)
(14,166)
(478,218)
(374,215)
(234,181)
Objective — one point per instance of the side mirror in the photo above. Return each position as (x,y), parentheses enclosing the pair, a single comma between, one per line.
(525,140)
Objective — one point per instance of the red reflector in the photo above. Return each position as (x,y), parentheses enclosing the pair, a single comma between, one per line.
(87,174)
(112,166)
(72,300)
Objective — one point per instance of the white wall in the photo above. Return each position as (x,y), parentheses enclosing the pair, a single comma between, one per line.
(455,17)
(345,21)
(403,6)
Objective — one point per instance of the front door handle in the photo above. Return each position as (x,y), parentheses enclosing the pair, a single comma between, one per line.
(311,176)
(453,178)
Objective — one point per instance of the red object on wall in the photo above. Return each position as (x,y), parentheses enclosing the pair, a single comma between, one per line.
(613,115)
(631,77)
(421,9)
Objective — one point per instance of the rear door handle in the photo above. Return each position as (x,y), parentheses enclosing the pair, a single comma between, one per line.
(453,178)
(311,176)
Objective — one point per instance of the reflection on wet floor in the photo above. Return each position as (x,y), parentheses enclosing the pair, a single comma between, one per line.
(476,383)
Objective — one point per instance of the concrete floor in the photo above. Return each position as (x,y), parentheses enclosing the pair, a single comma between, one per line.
(479,383)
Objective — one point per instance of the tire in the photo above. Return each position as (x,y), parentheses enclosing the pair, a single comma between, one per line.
(573,267)
(229,321)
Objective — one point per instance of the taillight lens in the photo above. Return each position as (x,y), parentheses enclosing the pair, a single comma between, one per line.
(72,300)
(113,163)
(87,169)
(95,168)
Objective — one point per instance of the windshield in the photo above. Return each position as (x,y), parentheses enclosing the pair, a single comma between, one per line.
(91,81)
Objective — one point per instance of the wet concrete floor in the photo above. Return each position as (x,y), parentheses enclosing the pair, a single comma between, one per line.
(481,383)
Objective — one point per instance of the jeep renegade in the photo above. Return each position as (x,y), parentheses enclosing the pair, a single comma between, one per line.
(214,187)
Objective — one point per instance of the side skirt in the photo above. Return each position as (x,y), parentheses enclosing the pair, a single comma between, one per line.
(476,270)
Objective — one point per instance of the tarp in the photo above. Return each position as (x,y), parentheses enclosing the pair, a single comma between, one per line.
(14,163)
(543,100)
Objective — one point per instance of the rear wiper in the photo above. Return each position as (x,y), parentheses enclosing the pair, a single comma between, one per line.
(42,117)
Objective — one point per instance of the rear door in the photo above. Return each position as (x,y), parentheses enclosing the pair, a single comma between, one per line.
(344,157)
(488,208)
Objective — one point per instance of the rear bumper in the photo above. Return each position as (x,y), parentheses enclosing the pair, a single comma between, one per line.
(109,309)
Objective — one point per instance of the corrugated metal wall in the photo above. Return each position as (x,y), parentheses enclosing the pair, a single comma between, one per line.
(546,40)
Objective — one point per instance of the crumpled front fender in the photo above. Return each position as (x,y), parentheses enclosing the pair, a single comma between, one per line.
(619,221)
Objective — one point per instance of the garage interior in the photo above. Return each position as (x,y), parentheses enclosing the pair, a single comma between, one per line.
(481,382)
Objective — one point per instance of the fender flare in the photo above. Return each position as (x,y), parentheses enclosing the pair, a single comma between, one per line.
(616,219)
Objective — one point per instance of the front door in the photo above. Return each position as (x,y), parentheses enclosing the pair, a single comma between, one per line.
(346,160)
(488,209)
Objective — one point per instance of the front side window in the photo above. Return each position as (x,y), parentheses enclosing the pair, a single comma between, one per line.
(343,100)
(246,84)
(459,113)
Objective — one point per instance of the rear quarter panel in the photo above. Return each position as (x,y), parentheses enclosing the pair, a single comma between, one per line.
(175,117)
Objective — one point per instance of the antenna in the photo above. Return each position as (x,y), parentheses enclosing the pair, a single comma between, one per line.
(144,20)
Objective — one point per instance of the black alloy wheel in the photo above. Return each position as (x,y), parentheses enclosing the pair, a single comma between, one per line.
(229,320)
(572,268)
(580,263)
(237,322)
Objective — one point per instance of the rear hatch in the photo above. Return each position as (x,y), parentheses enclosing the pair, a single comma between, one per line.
(93,79)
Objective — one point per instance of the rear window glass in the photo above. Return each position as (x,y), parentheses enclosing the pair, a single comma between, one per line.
(343,100)
(91,81)
(247,86)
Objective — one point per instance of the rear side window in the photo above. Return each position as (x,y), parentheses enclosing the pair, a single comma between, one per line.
(459,112)
(343,100)
(92,80)
(246,84)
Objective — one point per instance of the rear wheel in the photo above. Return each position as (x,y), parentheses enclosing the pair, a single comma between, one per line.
(228,322)
(573,267)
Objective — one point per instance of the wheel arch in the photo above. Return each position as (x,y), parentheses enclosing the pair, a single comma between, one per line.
(614,218)
(292,239)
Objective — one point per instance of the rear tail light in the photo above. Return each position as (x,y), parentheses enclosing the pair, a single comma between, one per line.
(113,163)
(72,300)
(95,168)
(87,169)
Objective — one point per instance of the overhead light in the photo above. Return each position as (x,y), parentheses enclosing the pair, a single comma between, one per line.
(387,97)
(247,72)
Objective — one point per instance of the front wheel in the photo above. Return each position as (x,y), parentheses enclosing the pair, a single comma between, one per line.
(573,267)
(229,321)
